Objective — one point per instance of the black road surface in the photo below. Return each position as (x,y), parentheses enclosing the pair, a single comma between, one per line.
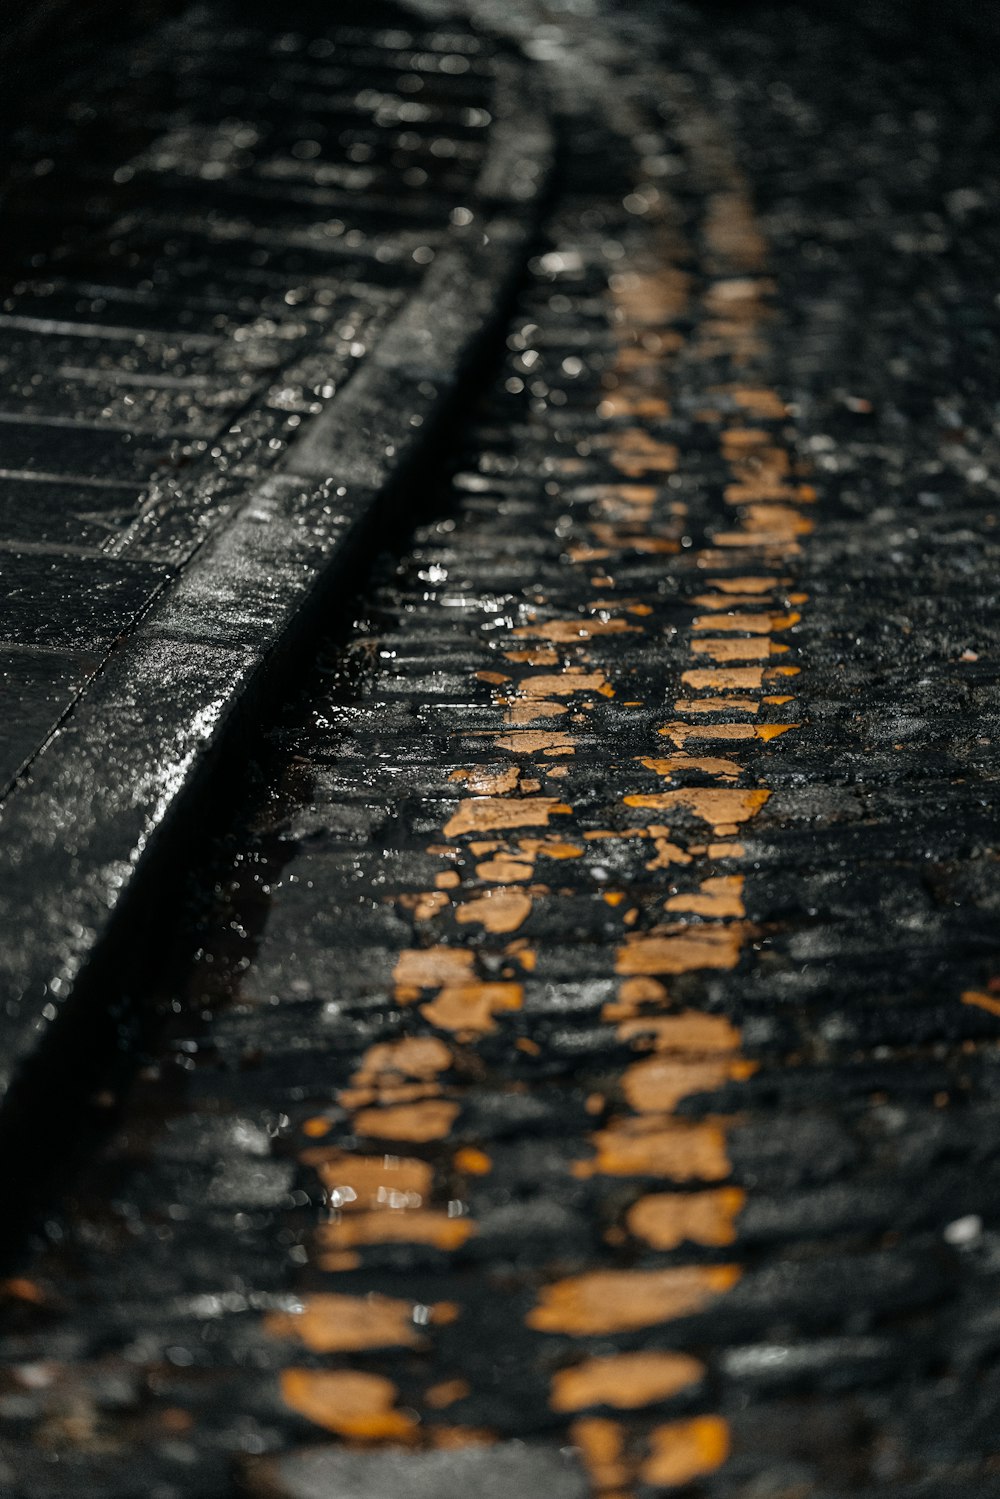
(569,1060)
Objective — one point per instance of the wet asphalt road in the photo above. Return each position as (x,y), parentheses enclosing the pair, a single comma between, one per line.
(579,1066)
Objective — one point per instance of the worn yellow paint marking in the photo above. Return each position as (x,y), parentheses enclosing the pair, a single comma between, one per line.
(988,1002)
(748,585)
(626,1381)
(483,781)
(468,1009)
(678,1053)
(416,1226)
(386,1093)
(499,909)
(602,1447)
(572,631)
(360,1183)
(690,1031)
(529,711)
(352,1404)
(565,684)
(658,1084)
(746,624)
(684,950)
(595,835)
(504,869)
(685,1450)
(472,1162)
(720,895)
(541,656)
(766,523)
(717,649)
(726,851)
(631,401)
(716,805)
(427,967)
(667,853)
(412,1056)
(666,1220)
(763,403)
(482,814)
(430,1119)
(763,488)
(662,1147)
(636,452)
(652,297)
(440,1396)
(713,765)
(769,489)
(426,905)
(549,848)
(716,601)
(717,705)
(530,742)
(330,1323)
(681,732)
(607,1301)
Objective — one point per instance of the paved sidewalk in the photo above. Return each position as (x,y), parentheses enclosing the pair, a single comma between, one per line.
(179,294)
(242,282)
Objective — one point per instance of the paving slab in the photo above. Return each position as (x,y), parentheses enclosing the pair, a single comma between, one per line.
(239,559)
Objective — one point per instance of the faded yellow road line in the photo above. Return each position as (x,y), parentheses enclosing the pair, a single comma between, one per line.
(512,827)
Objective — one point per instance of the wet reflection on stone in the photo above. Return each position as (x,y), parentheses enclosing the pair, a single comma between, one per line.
(529,1148)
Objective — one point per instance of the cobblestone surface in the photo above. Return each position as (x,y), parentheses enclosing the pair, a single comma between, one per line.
(584,1075)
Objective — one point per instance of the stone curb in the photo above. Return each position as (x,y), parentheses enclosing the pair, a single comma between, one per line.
(111,792)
